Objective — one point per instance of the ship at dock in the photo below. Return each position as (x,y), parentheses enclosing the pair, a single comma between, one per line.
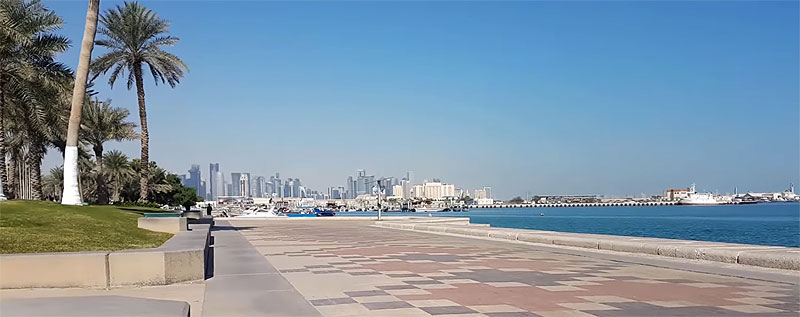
(698,199)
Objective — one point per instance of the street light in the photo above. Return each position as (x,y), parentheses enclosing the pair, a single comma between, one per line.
(380,190)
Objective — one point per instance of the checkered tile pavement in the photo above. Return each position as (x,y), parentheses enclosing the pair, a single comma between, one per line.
(348,268)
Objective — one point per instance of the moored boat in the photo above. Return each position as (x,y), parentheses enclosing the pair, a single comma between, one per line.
(698,199)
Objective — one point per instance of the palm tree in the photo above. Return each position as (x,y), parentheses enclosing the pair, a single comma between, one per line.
(72,195)
(135,36)
(119,172)
(30,80)
(102,123)
(53,183)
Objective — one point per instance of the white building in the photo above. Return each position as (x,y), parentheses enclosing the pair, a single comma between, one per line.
(397,191)
(418,191)
(438,191)
(483,193)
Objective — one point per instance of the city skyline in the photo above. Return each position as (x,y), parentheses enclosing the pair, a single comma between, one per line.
(541,97)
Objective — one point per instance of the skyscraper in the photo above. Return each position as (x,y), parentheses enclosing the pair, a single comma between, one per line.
(213,168)
(244,185)
(296,188)
(351,188)
(234,190)
(194,180)
(219,184)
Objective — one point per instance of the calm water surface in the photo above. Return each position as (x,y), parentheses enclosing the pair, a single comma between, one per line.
(764,224)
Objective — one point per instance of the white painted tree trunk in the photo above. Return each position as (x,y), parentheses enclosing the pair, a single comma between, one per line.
(72,193)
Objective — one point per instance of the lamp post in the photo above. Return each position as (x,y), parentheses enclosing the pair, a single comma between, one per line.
(380,189)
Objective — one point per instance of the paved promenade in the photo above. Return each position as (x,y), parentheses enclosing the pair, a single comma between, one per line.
(350,268)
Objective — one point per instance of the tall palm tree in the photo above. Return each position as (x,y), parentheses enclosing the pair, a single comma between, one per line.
(72,195)
(30,81)
(101,123)
(134,36)
(119,172)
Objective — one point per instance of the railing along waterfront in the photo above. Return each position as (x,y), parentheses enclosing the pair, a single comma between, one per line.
(606,204)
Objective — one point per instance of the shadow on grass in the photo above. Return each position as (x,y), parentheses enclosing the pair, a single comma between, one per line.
(142,211)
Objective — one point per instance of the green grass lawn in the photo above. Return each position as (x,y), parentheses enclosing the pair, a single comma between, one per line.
(38,226)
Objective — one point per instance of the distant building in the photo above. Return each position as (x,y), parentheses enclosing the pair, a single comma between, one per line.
(439,190)
(677,194)
(234,190)
(193,180)
(218,185)
(417,191)
(244,185)
(483,193)
(214,192)
(259,186)
(397,191)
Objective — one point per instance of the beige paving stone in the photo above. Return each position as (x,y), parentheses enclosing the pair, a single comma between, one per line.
(401,292)
(588,306)
(506,284)
(673,304)
(648,281)
(751,309)
(763,288)
(558,272)
(496,309)
(432,303)
(606,299)
(593,278)
(755,300)
(376,299)
(563,313)
(760,294)
(459,281)
(704,285)
(564,288)
(456,270)
(578,283)
(436,274)
(397,312)
(343,310)
(435,286)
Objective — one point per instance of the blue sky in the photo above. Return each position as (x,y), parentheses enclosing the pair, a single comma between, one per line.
(617,98)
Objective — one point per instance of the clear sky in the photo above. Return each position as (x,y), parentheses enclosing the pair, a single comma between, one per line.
(610,98)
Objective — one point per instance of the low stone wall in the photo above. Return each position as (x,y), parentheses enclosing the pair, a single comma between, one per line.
(754,255)
(163,224)
(181,258)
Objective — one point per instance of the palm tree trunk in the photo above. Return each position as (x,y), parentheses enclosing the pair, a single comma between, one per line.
(34,162)
(143,190)
(102,187)
(72,194)
(3,175)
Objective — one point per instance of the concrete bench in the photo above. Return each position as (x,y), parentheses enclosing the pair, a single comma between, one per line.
(163,222)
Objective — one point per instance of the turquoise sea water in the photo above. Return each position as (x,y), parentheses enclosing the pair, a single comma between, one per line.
(764,224)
